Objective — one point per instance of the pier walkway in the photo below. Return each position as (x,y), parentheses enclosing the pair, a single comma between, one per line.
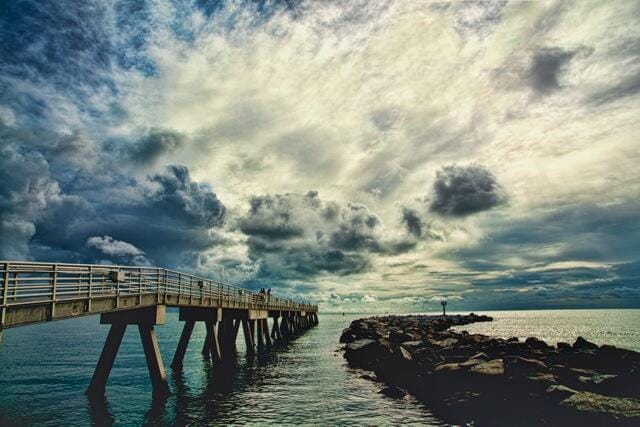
(33,292)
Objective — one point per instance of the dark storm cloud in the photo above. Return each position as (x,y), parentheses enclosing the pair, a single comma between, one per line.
(154,145)
(357,230)
(274,217)
(465,190)
(411,219)
(545,69)
(167,216)
(25,190)
(298,236)
(55,197)
(181,197)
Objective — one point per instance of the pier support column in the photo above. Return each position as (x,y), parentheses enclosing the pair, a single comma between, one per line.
(236,328)
(207,344)
(278,331)
(214,344)
(220,334)
(227,336)
(145,318)
(182,344)
(154,361)
(284,327)
(255,324)
(107,357)
(210,347)
(274,328)
(248,337)
(265,331)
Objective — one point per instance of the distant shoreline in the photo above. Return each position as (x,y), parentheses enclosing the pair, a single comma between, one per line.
(452,312)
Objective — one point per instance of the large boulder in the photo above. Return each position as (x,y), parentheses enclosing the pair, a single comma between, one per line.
(400,336)
(536,344)
(593,404)
(517,366)
(480,356)
(412,345)
(582,344)
(393,392)
(492,368)
(445,343)
(405,354)
(560,392)
(364,352)
(449,368)
(427,356)
(359,345)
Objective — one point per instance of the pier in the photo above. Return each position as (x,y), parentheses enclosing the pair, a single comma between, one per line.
(33,292)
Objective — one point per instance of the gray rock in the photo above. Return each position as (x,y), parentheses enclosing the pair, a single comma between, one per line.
(393,392)
(582,344)
(535,343)
(619,408)
(360,344)
(560,392)
(492,367)
(519,366)
(479,356)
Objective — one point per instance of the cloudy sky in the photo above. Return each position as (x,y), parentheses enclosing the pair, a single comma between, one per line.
(369,155)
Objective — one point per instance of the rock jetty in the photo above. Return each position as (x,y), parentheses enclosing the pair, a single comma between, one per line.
(474,378)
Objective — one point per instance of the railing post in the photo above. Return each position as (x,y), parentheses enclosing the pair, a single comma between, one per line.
(5,291)
(90,287)
(166,284)
(53,290)
(158,281)
(118,293)
(139,285)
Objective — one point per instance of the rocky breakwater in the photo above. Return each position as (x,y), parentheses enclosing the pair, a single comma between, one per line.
(473,378)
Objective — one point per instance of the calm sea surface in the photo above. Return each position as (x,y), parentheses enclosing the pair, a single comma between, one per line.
(44,370)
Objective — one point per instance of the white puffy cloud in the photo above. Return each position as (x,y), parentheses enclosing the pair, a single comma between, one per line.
(108,245)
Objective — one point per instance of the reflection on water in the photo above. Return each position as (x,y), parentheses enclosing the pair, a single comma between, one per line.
(45,369)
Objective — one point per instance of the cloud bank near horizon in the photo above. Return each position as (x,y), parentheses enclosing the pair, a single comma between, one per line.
(363,154)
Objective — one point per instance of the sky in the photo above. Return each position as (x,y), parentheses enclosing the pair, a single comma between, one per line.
(366,155)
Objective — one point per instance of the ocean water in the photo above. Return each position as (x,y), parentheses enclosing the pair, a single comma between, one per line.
(619,327)
(44,370)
